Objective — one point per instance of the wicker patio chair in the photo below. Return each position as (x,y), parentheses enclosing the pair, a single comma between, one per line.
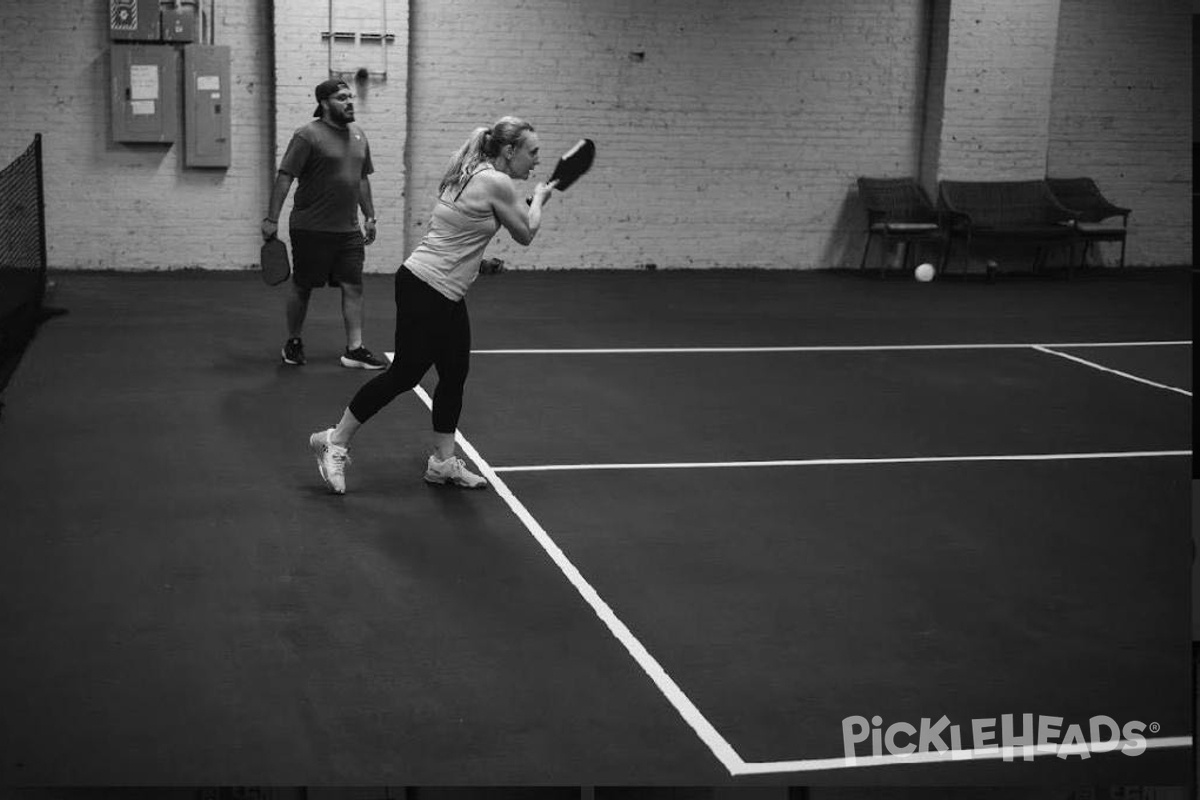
(899,210)
(1006,212)
(1092,210)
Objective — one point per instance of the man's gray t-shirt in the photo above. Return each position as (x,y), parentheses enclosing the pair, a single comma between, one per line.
(329,163)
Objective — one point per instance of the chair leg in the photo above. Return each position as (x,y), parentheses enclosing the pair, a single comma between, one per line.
(968,251)
(966,257)
(944,255)
(1122,252)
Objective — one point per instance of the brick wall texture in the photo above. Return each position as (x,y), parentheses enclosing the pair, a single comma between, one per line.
(999,77)
(729,134)
(1121,114)
(123,206)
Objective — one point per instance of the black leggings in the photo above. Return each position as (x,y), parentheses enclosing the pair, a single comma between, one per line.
(431,330)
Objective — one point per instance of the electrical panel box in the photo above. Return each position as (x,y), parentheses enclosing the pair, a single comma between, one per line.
(134,20)
(206,99)
(179,24)
(145,93)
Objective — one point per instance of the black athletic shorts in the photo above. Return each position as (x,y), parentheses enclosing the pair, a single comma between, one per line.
(321,258)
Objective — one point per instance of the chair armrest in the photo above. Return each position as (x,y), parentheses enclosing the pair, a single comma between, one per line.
(953,217)
(1069,216)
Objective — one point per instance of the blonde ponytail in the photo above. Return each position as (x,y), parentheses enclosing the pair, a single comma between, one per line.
(482,145)
(465,160)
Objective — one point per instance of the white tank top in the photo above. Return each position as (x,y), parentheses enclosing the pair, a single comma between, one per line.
(449,254)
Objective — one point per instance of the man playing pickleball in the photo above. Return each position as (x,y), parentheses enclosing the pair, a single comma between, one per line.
(331,160)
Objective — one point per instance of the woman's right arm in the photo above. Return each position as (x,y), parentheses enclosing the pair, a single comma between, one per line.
(522,221)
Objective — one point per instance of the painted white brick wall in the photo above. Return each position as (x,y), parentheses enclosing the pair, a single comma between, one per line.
(131,206)
(303,59)
(734,139)
(729,134)
(1122,114)
(996,103)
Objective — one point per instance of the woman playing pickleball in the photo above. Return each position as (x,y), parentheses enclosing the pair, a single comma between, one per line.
(475,199)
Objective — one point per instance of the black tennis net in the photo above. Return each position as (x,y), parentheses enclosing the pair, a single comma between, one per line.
(22,254)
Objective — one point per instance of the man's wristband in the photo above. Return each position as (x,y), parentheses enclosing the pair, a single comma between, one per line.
(272,221)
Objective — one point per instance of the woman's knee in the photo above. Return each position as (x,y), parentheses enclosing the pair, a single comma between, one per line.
(452,381)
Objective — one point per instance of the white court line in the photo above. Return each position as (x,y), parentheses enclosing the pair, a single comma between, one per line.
(817,348)
(703,728)
(709,735)
(1102,368)
(824,462)
(956,756)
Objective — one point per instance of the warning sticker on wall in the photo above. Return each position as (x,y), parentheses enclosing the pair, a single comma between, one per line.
(143,82)
(142,108)
(208,83)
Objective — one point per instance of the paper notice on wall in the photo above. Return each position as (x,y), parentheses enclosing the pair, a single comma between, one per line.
(143,82)
(142,108)
(208,83)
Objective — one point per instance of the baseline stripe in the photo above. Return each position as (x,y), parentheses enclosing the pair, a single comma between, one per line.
(829,462)
(703,728)
(957,756)
(818,348)
(1102,368)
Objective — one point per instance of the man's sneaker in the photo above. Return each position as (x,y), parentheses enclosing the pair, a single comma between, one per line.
(362,358)
(331,460)
(453,470)
(293,352)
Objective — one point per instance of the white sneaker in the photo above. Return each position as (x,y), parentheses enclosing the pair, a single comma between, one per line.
(453,470)
(331,460)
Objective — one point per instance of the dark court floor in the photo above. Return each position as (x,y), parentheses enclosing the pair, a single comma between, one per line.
(731,513)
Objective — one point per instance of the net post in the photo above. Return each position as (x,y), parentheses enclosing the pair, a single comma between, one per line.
(41,201)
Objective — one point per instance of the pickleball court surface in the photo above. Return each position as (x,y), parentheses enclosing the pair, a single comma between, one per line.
(734,509)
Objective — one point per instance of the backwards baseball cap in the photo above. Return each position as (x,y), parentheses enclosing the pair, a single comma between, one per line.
(328,89)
